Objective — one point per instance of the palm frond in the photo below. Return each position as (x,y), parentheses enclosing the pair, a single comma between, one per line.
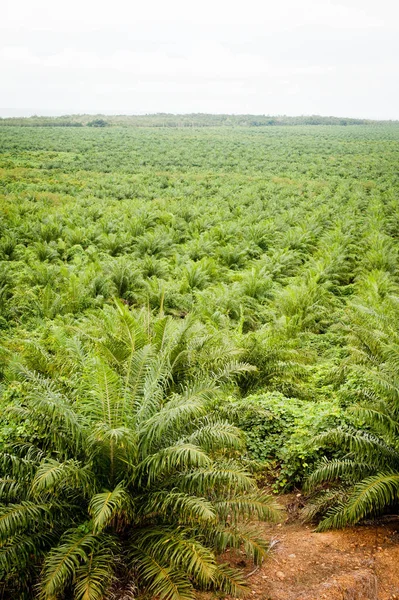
(19,551)
(159,579)
(230,580)
(107,505)
(51,473)
(11,489)
(227,476)
(214,434)
(174,416)
(175,546)
(137,370)
(244,537)
(94,577)
(339,469)
(16,518)
(48,406)
(258,506)
(369,498)
(183,507)
(362,443)
(168,460)
(127,472)
(62,562)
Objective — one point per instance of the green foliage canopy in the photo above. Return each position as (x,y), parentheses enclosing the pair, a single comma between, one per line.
(126,474)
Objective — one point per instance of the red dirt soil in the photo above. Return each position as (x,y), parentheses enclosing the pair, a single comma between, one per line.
(359,563)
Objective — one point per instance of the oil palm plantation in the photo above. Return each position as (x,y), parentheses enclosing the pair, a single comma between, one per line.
(367,474)
(128,482)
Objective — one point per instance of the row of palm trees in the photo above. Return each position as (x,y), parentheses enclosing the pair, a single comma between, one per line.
(285,280)
(118,475)
(127,479)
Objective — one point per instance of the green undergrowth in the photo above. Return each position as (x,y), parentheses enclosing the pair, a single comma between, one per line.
(279,433)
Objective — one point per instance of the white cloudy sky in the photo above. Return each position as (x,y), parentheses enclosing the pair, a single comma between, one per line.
(330,57)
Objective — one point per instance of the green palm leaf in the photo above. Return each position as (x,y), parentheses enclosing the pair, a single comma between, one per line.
(259,506)
(61,563)
(183,507)
(52,473)
(107,505)
(369,498)
(230,581)
(159,579)
(227,475)
(168,460)
(16,518)
(175,546)
(93,578)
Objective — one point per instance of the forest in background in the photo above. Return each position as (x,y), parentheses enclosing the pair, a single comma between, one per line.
(184,120)
(186,314)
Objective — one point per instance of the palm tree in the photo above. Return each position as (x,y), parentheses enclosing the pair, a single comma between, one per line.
(368,472)
(128,479)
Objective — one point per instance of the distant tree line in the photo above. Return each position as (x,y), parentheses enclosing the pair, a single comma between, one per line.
(187,120)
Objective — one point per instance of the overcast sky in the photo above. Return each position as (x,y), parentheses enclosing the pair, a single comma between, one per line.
(328,57)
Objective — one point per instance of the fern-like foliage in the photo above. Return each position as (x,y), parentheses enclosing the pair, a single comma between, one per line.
(367,475)
(129,476)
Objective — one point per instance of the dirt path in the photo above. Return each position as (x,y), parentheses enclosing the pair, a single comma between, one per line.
(360,563)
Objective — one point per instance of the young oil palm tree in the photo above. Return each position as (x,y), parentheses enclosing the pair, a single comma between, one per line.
(127,475)
(369,471)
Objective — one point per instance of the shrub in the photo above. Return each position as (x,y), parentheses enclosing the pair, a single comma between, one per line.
(97,123)
(279,430)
